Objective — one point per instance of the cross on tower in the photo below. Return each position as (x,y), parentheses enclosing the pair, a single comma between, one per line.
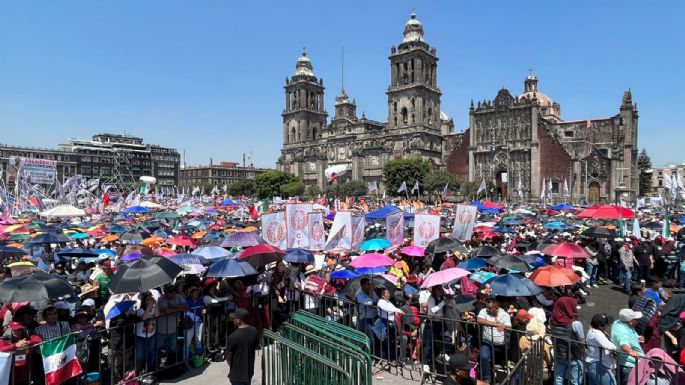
(530,71)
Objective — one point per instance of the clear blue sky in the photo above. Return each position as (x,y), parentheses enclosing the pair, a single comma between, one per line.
(207,76)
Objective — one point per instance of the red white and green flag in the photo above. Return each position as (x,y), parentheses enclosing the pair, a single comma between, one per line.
(59,360)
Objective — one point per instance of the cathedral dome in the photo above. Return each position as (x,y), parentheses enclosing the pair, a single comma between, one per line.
(543,100)
(413,30)
(304,65)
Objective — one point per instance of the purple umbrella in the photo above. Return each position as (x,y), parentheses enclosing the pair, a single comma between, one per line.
(243,239)
(131,257)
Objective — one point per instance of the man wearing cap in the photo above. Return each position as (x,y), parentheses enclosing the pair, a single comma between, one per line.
(16,339)
(624,336)
(460,371)
(240,348)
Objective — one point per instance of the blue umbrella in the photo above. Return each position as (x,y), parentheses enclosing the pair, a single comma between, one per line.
(344,274)
(371,270)
(120,308)
(556,225)
(229,202)
(110,253)
(375,244)
(212,252)
(189,259)
(562,206)
(230,268)
(77,252)
(115,229)
(136,209)
(503,230)
(472,264)
(481,276)
(512,285)
(79,236)
(131,257)
(298,256)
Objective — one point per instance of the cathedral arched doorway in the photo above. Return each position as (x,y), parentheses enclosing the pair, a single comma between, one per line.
(593,193)
(501,180)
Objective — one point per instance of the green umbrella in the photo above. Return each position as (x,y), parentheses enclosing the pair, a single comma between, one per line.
(167,215)
(19,237)
(510,218)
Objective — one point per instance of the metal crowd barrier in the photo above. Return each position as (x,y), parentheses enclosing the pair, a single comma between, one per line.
(285,362)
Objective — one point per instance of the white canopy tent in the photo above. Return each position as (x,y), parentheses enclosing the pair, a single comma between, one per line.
(63,211)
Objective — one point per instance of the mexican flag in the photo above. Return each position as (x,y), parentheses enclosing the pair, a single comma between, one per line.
(59,360)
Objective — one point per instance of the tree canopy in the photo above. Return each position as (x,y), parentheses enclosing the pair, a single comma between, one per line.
(644,164)
(411,170)
(270,183)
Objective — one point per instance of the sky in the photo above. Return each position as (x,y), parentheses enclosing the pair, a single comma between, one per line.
(207,77)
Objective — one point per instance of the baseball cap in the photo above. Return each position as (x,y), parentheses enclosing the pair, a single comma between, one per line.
(460,361)
(88,302)
(61,305)
(240,314)
(523,314)
(626,315)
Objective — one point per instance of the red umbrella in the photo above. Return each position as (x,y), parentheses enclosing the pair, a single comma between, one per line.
(607,212)
(261,255)
(181,240)
(488,235)
(553,276)
(482,229)
(565,249)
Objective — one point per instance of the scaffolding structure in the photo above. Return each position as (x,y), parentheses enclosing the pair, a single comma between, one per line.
(122,178)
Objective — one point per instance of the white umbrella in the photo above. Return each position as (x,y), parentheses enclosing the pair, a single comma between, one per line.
(63,211)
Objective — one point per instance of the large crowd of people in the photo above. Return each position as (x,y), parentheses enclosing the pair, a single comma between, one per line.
(463,330)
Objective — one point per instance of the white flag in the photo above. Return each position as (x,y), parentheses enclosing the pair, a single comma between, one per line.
(297,224)
(415,189)
(544,187)
(317,239)
(426,229)
(373,186)
(445,190)
(674,182)
(225,188)
(667,182)
(679,179)
(340,236)
(464,221)
(481,188)
(565,192)
(403,187)
(394,225)
(549,187)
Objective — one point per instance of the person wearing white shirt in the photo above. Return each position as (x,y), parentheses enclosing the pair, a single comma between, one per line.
(434,327)
(494,321)
(388,311)
(599,356)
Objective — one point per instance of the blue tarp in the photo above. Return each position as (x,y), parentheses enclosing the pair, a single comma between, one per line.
(562,206)
(482,207)
(229,202)
(383,212)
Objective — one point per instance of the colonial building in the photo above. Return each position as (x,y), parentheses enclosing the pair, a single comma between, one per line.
(415,126)
(218,175)
(524,138)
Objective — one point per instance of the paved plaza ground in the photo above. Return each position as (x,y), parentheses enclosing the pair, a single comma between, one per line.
(604,299)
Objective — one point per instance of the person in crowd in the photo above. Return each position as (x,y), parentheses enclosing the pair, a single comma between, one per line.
(101,281)
(644,259)
(53,327)
(279,298)
(599,358)
(568,338)
(367,300)
(82,273)
(433,336)
(627,341)
(193,321)
(628,261)
(171,306)
(63,311)
(656,291)
(495,322)
(592,264)
(388,312)
(536,333)
(460,371)
(408,323)
(147,313)
(16,339)
(240,348)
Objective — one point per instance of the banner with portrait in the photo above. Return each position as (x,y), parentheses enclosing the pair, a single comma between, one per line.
(316,231)
(426,229)
(394,228)
(31,170)
(297,220)
(273,229)
(464,221)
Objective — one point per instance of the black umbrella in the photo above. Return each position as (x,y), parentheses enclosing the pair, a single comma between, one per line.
(134,236)
(35,287)
(77,252)
(354,285)
(11,252)
(148,272)
(486,251)
(600,232)
(509,262)
(48,238)
(444,244)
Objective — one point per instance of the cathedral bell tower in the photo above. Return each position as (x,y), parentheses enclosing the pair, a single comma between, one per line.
(413,95)
(304,115)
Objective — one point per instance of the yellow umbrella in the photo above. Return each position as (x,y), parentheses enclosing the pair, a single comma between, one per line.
(20,263)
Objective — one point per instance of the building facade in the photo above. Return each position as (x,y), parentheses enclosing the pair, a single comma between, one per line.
(524,138)
(415,125)
(218,175)
(660,173)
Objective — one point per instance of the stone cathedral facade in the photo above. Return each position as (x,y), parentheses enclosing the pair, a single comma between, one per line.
(416,126)
(509,139)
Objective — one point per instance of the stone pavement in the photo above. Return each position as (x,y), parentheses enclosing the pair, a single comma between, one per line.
(604,299)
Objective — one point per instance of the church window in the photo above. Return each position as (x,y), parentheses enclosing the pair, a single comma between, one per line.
(405,76)
(555,187)
(404,115)
(412,70)
(292,135)
(413,104)
(413,118)
(395,125)
(430,116)
(314,133)
(394,107)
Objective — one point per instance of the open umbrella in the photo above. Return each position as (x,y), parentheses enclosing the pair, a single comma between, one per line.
(372,260)
(48,238)
(375,244)
(486,251)
(554,275)
(11,252)
(181,240)
(510,262)
(134,236)
(601,232)
(77,252)
(354,285)
(444,277)
(445,244)
(189,259)
(555,225)
(117,229)
(35,287)
(230,268)
(119,308)
(414,251)
(344,274)
(512,285)
(243,239)
(212,252)
(261,255)
(472,264)
(298,256)
(565,249)
(146,273)
(607,212)
(136,209)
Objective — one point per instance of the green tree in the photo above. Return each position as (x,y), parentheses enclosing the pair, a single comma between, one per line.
(397,171)
(269,184)
(644,167)
(435,182)
(355,188)
(292,189)
(241,187)
(312,191)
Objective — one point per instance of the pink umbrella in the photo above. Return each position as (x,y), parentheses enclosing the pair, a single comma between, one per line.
(391,278)
(443,277)
(372,260)
(414,251)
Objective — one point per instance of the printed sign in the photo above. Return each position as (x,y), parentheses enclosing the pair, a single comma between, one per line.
(464,222)
(273,229)
(426,229)
(31,170)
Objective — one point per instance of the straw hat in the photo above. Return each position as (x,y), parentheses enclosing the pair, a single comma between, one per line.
(87,288)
